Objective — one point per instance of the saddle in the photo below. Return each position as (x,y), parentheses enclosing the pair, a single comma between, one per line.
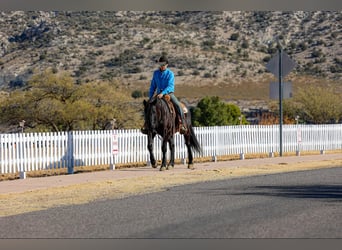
(167,98)
(173,110)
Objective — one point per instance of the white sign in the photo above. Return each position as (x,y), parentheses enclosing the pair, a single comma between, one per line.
(299,135)
(115,145)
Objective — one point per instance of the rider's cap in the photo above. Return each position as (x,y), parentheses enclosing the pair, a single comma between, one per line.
(163,59)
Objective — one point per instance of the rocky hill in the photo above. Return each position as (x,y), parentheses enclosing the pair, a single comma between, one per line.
(205,48)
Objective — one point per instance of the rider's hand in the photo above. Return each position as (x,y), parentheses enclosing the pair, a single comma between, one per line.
(160,95)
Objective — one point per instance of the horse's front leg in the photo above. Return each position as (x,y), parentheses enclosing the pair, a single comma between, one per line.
(150,150)
(172,154)
(164,150)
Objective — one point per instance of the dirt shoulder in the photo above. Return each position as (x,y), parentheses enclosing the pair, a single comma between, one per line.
(34,194)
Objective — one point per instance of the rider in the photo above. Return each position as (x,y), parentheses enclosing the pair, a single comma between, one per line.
(163,82)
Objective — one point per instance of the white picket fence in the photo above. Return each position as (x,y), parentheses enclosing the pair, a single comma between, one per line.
(38,151)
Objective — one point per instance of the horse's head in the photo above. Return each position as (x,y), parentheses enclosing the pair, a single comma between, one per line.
(151,113)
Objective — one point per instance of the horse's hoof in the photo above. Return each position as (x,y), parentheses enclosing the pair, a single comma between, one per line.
(154,166)
(170,167)
(191,166)
(162,168)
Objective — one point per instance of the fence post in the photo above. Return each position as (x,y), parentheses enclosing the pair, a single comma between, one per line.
(214,158)
(70,152)
(21,158)
(242,141)
(112,162)
(22,173)
(216,144)
(299,138)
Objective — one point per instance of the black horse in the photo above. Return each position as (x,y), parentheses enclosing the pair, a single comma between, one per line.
(161,118)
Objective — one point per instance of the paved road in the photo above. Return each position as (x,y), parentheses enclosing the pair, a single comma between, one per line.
(304,204)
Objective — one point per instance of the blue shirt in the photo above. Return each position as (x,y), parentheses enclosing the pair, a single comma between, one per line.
(163,82)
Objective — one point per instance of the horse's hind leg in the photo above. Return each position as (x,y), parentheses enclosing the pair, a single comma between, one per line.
(190,156)
(172,155)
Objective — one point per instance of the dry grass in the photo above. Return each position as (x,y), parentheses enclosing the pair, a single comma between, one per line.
(246,89)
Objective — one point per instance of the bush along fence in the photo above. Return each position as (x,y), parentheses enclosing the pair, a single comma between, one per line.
(25,152)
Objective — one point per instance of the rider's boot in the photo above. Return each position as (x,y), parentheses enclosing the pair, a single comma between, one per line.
(182,128)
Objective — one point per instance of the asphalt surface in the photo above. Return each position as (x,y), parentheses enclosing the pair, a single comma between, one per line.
(304,204)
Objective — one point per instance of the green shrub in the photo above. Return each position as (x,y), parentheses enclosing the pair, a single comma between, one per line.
(234,36)
(211,111)
(137,94)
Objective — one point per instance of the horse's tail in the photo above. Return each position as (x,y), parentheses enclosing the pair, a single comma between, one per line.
(194,144)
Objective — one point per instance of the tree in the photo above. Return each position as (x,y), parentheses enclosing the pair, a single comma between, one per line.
(211,111)
(53,102)
(315,105)
(43,103)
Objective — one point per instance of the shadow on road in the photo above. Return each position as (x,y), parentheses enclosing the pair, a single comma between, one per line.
(330,192)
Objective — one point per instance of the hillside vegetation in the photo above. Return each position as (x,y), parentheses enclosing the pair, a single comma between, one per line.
(203,47)
(221,53)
